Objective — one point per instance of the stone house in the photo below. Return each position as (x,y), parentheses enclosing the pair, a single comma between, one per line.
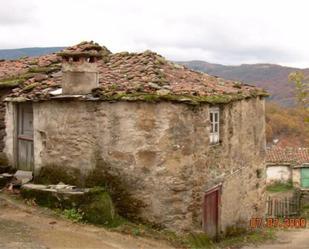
(177,148)
(288,164)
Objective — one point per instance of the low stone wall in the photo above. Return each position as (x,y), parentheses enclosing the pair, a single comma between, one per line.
(93,205)
(156,158)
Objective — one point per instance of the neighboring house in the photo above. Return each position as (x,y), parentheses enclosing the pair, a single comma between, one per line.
(288,164)
(182,149)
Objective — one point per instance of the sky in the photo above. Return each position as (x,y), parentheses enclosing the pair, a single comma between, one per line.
(219,31)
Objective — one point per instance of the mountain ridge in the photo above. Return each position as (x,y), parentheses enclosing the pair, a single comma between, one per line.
(13,54)
(272,77)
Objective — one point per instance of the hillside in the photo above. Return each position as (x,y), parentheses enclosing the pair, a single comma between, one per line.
(272,77)
(286,125)
(21,52)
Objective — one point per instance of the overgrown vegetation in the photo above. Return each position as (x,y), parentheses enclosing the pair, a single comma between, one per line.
(252,237)
(238,238)
(53,174)
(305,212)
(279,187)
(94,206)
(127,206)
(112,95)
(287,125)
(301,88)
(199,240)
(73,214)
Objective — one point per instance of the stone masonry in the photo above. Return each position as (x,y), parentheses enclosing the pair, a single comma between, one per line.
(161,153)
(3,94)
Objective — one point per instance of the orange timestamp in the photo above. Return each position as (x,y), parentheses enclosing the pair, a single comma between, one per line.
(278,223)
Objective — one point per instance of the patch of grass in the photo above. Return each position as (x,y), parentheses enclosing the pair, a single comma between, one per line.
(73,214)
(199,241)
(143,230)
(253,237)
(280,187)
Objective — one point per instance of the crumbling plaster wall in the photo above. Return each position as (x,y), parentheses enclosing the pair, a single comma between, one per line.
(278,173)
(161,152)
(296,177)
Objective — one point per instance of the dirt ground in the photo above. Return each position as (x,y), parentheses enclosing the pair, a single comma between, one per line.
(23,227)
(292,239)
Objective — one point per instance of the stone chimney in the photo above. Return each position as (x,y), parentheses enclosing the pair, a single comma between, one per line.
(79,68)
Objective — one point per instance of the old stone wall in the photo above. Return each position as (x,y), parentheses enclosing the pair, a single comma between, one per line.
(160,155)
(3,158)
(10,125)
(3,94)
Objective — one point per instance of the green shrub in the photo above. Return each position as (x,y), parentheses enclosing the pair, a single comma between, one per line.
(73,214)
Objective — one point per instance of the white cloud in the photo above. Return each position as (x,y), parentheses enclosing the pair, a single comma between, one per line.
(220,31)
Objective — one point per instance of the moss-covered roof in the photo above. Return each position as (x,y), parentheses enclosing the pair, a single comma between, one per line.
(124,76)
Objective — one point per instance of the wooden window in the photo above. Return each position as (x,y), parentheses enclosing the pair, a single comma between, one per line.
(214,116)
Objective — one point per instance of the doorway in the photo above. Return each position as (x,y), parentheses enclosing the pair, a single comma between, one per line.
(211,211)
(25,137)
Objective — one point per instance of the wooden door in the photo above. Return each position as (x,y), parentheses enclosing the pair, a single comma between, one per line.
(305,177)
(25,137)
(211,212)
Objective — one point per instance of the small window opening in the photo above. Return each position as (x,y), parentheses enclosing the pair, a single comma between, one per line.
(214,116)
(75,59)
(92,59)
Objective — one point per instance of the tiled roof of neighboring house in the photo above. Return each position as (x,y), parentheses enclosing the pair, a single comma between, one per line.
(277,155)
(126,76)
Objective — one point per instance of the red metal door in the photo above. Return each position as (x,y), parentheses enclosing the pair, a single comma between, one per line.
(211,212)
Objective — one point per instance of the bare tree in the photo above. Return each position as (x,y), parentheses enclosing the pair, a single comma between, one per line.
(301,90)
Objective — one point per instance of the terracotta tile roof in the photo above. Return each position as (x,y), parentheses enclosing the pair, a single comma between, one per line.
(292,155)
(124,76)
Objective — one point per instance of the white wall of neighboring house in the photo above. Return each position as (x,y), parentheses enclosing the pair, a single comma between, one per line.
(275,173)
(296,177)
